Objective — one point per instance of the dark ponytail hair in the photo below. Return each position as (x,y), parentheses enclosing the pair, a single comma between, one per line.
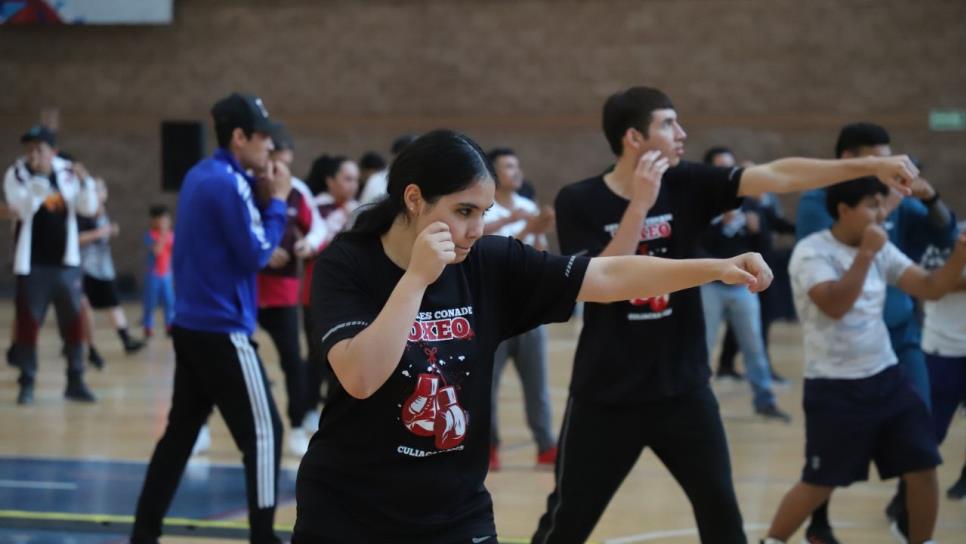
(323,167)
(440,163)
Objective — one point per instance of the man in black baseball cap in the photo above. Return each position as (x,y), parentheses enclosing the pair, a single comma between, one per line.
(231,216)
(244,111)
(46,193)
(39,133)
(243,126)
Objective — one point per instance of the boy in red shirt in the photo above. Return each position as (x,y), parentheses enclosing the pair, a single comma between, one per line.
(158,282)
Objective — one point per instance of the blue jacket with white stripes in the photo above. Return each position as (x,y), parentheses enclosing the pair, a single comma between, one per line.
(222,239)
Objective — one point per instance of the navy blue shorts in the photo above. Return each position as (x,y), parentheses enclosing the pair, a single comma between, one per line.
(850,423)
(947,378)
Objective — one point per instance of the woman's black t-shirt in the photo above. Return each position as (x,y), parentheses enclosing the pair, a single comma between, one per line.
(408,463)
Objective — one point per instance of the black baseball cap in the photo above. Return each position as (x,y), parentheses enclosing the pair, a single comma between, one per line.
(282,139)
(244,111)
(39,133)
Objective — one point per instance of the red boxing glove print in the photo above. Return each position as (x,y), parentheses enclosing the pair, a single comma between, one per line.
(657,304)
(419,410)
(433,408)
(451,421)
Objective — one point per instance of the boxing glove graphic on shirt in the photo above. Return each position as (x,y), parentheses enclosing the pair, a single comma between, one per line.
(451,419)
(419,410)
(657,304)
(432,410)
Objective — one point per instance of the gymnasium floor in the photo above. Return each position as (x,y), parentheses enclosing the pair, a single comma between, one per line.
(71,473)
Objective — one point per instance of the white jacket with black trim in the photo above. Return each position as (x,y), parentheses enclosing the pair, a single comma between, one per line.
(25,193)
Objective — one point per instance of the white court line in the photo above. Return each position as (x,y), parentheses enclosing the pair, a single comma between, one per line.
(27,484)
(655,535)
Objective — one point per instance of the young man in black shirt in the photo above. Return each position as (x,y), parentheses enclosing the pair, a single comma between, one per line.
(641,366)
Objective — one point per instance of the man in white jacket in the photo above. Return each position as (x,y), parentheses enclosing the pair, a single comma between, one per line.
(46,193)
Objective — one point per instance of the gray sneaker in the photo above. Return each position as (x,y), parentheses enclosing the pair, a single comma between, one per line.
(772,411)
(26,395)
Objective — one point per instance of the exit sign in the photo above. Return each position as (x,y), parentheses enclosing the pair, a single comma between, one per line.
(947,120)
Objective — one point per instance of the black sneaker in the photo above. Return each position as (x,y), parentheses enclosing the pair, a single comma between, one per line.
(820,534)
(900,528)
(958,491)
(729,374)
(26,395)
(95,359)
(773,412)
(133,346)
(894,509)
(79,392)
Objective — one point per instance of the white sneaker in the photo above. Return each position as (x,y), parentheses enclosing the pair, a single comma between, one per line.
(310,423)
(203,442)
(298,442)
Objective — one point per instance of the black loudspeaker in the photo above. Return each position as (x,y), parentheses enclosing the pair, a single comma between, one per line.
(182,146)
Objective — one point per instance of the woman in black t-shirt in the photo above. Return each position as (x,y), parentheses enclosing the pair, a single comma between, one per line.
(410,306)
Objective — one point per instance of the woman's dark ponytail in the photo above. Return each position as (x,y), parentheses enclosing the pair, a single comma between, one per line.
(376,218)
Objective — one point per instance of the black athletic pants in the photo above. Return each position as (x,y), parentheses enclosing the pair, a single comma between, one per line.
(599,445)
(282,324)
(315,368)
(220,370)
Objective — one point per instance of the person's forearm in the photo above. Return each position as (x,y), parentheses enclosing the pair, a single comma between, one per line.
(87,201)
(628,235)
(837,298)
(939,214)
(943,280)
(798,174)
(22,198)
(364,362)
(90,236)
(610,279)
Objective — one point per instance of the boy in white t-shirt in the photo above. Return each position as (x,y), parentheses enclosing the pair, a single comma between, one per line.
(860,406)
(519,217)
(944,343)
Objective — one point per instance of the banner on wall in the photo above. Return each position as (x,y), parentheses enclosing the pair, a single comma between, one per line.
(86,12)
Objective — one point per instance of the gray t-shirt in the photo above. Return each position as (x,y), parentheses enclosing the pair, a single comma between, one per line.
(856,346)
(96,260)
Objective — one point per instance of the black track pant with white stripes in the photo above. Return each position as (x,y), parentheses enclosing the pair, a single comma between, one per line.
(600,444)
(220,370)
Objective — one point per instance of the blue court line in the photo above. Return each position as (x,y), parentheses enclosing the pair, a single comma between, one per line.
(38,495)
(82,486)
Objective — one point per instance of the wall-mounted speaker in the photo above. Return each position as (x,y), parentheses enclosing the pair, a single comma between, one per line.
(182,146)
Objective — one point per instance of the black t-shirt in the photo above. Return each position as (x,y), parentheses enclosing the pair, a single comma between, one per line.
(646,349)
(48,238)
(728,236)
(408,463)
(85,224)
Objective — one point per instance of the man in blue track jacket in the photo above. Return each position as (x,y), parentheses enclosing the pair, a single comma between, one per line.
(229,223)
